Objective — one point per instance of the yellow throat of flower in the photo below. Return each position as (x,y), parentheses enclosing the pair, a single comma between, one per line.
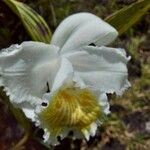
(70,108)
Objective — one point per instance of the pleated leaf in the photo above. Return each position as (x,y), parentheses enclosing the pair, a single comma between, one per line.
(33,22)
(123,19)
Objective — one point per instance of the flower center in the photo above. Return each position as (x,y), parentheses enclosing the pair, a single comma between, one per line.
(71,108)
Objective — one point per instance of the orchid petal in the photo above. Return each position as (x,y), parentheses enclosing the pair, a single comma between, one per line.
(93,129)
(29,113)
(64,74)
(26,69)
(101,68)
(103,101)
(83,29)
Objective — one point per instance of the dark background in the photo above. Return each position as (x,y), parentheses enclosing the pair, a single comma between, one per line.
(128,126)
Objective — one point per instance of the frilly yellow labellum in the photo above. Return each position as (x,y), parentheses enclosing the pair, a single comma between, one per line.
(71,107)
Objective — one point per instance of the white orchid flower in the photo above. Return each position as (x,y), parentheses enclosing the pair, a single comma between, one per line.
(62,86)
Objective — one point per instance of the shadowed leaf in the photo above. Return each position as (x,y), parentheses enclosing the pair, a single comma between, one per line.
(19,115)
(123,19)
(33,22)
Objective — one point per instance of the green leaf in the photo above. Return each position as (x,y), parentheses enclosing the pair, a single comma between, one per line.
(21,118)
(125,18)
(19,115)
(33,22)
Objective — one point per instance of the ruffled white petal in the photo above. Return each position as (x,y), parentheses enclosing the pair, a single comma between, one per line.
(83,29)
(101,68)
(50,139)
(103,101)
(29,113)
(46,135)
(93,129)
(26,69)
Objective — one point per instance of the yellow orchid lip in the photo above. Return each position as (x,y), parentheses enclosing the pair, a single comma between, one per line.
(70,107)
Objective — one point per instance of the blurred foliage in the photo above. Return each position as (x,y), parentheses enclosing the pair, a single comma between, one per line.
(33,22)
(126,126)
(37,28)
(123,19)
